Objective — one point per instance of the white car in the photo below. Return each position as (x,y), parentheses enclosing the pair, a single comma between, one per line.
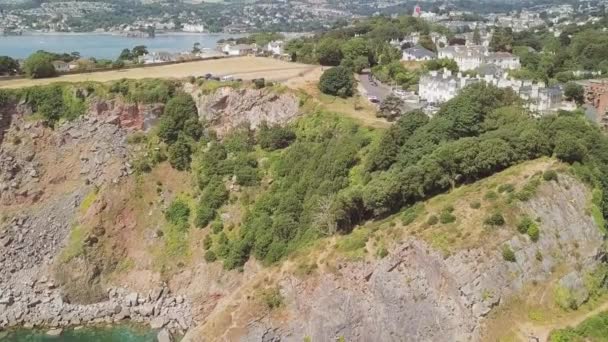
(373,99)
(227,78)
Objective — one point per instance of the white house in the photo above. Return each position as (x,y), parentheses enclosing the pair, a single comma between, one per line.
(239,49)
(275,47)
(197,28)
(472,57)
(61,66)
(438,87)
(417,53)
(504,60)
(156,57)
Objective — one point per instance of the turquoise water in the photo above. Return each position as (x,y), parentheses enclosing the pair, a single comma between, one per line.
(113,334)
(102,45)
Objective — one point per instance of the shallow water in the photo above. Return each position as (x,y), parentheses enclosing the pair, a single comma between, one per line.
(102,45)
(113,334)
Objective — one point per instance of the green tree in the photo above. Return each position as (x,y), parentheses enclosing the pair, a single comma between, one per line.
(196,48)
(440,64)
(275,137)
(180,116)
(180,154)
(360,63)
(329,52)
(427,43)
(502,39)
(337,81)
(476,36)
(125,55)
(574,92)
(391,108)
(39,65)
(8,66)
(355,47)
(139,50)
(569,149)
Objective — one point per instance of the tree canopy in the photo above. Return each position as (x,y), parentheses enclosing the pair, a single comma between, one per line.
(337,81)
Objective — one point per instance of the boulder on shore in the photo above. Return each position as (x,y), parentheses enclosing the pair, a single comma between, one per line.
(164,336)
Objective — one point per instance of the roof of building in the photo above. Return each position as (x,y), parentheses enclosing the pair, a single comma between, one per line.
(242,47)
(419,52)
(489,69)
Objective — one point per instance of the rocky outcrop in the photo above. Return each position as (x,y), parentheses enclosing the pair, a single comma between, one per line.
(40,304)
(45,175)
(131,116)
(419,294)
(227,108)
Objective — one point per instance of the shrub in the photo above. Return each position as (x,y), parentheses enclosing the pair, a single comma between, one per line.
(446,217)
(496,219)
(178,213)
(538,256)
(524,224)
(528,191)
(275,137)
(475,205)
(55,102)
(259,83)
(432,220)
(490,195)
(506,188)
(508,254)
(550,175)
(217,226)
(337,81)
(382,252)
(533,232)
(207,242)
(272,298)
(210,256)
(411,213)
(204,215)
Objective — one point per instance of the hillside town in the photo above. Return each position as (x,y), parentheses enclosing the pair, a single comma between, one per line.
(464,38)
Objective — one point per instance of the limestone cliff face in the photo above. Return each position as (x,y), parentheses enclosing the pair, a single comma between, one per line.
(418,294)
(227,108)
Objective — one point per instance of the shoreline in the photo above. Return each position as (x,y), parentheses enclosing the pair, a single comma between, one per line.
(119,34)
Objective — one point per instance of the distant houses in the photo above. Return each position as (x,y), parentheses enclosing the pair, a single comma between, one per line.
(438,87)
(473,56)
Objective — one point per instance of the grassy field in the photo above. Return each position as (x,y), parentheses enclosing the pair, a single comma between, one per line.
(240,67)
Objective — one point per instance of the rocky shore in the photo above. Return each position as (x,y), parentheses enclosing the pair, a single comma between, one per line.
(39,304)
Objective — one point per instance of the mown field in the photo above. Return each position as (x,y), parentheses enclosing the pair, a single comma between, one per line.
(240,67)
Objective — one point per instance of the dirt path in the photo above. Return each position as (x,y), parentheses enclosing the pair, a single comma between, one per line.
(526,331)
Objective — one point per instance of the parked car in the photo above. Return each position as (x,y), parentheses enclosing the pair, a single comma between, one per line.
(227,78)
(373,99)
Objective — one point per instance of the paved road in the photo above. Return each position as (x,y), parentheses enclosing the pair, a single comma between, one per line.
(381,91)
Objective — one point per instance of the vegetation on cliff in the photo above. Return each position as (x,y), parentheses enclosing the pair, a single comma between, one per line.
(324,174)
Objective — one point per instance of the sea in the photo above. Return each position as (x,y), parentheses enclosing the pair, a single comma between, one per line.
(103,46)
(120,333)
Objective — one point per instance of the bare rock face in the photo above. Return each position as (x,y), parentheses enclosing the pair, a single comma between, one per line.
(417,294)
(228,108)
(130,116)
